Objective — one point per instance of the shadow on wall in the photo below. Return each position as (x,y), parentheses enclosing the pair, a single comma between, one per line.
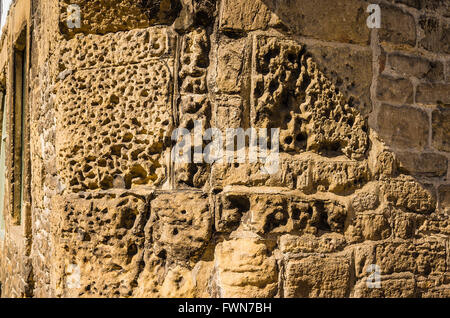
(406,100)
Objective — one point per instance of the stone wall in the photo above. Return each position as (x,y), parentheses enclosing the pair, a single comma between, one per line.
(16,272)
(364,150)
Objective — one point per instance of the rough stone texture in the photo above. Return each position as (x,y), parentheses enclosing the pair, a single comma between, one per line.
(418,67)
(430,26)
(105,148)
(436,34)
(244,269)
(441,129)
(407,193)
(358,64)
(426,164)
(289,91)
(104,237)
(436,93)
(398,90)
(244,16)
(105,16)
(363,174)
(444,199)
(316,276)
(397,26)
(180,226)
(432,5)
(342,21)
(403,127)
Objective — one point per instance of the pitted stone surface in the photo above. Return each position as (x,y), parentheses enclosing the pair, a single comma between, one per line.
(290,92)
(104,147)
(106,16)
(103,238)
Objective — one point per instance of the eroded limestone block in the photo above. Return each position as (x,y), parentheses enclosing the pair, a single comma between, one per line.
(157,279)
(253,174)
(105,16)
(391,286)
(397,26)
(114,49)
(109,130)
(152,276)
(178,283)
(269,213)
(230,112)
(444,199)
(397,90)
(338,176)
(103,80)
(403,127)
(181,226)
(289,91)
(414,66)
(386,164)
(432,94)
(437,292)
(195,13)
(193,109)
(245,268)
(318,216)
(423,164)
(190,175)
(99,244)
(329,20)
(194,61)
(437,224)
(405,192)
(230,208)
(420,257)
(306,173)
(342,65)
(194,105)
(239,16)
(364,257)
(431,28)
(272,213)
(364,201)
(441,127)
(405,224)
(372,226)
(230,65)
(433,286)
(292,245)
(316,276)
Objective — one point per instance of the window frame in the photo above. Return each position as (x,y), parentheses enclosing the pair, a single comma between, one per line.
(19,132)
(3,166)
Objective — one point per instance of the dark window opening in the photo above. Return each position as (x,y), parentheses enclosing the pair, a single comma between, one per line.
(19,125)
